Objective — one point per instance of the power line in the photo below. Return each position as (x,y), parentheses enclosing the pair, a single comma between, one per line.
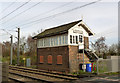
(47,11)
(61,12)
(8,6)
(8,32)
(23,11)
(14,10)
(51,10)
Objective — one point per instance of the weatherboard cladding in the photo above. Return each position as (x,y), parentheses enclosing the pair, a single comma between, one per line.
(56,30)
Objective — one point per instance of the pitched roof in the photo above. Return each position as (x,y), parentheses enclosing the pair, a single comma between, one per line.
(56,30)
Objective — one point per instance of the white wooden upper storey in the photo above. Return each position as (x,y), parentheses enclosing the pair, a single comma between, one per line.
(74,35)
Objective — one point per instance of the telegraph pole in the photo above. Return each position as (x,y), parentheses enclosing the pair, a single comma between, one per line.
(83,54)
(18,47)
(11,49)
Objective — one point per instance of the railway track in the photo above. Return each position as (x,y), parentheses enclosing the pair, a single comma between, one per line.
(23,75)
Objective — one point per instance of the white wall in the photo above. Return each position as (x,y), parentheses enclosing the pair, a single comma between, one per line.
(64,39)
(76,31)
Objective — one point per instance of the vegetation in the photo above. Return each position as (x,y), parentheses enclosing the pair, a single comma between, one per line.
(27,50)
(102,50)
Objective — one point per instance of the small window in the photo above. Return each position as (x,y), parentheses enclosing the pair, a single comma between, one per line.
(51,41)
(50,59)
(76,39)
(56,40)
(66,39)
(60,40)
(59,59)
(80,38)
(63,39)
(71,39)
(41,59)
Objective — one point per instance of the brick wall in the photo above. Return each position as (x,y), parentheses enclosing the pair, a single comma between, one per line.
(70,56)
(54,51)
(73,63)
(86,40)
(76,58)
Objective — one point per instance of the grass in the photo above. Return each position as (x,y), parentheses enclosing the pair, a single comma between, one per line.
(81,72)
(113,73)
(33,66)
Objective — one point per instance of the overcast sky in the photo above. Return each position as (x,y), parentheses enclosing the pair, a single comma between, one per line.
(101,17)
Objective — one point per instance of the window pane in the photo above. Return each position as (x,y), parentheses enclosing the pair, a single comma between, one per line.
(51,41)
(80,38)
(42,42)
(57,40)
(76,39)
(63,39)
(66,39)
(60,41)
(71,39)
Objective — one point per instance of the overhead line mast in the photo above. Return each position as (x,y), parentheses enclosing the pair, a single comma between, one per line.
(18,47)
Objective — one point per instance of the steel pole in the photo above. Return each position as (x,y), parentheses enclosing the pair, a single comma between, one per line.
(11,49)
(83,54)
(18,47)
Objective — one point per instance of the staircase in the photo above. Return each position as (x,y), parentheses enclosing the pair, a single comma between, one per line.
(92,56)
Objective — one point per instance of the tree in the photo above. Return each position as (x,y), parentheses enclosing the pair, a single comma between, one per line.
(100,47)
(6,49)
(31,44)
(113,50)
(22,45)
(119,48)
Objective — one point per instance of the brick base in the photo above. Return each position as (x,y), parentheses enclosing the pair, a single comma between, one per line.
(71,58)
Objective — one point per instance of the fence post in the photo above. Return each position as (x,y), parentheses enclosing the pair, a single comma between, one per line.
(97,67)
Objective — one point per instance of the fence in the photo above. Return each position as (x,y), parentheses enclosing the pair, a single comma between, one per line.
(108,65)
(3,72)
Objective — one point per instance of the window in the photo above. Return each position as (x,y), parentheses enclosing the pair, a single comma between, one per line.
(76,39)
(43,42)
(60,40)
(51,41)
(57,40)
(49,59)
(66,39)
(71,39)
(63,39)
(59,59)
(80,38)
(41,59)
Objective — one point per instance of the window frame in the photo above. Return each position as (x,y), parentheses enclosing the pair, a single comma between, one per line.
(73,39)
(80,38)
(76,39)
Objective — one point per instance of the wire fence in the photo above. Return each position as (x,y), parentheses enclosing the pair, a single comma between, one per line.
(107,65)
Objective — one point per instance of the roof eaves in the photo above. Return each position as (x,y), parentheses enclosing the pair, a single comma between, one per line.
(48,35)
